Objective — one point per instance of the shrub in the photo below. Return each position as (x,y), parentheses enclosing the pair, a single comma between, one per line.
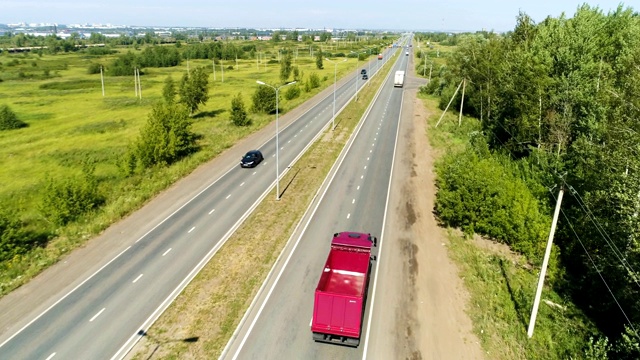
(292,92)
(9,120)
(94,68)
(15,238)
(479,195)
(166,137)
(238,113)
(314,81)
(264,99)
(66,200)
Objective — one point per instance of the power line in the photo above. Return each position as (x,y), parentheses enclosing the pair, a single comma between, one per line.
(603,233)
(600,274)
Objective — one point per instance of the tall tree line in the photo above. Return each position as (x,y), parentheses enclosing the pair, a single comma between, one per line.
(565,94)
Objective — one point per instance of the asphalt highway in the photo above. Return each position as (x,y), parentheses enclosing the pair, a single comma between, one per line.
(355,199)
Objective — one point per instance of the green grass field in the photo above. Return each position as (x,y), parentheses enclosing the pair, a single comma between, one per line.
(70,121)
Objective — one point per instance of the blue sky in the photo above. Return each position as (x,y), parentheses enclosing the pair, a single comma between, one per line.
(447,15)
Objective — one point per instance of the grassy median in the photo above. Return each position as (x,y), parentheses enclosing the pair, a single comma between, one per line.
(204,316)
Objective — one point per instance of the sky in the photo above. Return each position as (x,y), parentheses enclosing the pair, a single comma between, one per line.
(414,15)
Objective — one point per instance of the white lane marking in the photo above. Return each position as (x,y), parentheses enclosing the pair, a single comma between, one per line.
(51,356)
(62,298)
(255,172)
(368,159)
(361,176)
(166,252)
(241,184)
(296,135)
(274,155)
(365,167)
(228,196)
(370,151)
(210,212)
(282,148)
(380,242)
(288,141)
(348,215)
(374,144)
(375,139)
(138,278)
(96,315)
(353,201)
(193,228)
(358,188)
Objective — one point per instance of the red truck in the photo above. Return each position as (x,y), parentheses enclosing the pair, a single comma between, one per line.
(341,293)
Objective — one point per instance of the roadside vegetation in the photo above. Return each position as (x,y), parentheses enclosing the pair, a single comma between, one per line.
(76,161)
(547,106)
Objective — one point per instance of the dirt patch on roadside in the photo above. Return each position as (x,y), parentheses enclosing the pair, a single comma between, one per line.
(430,320)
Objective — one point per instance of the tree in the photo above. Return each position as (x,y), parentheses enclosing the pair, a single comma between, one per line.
(285,67)
(264,99)
(169,90)
(238,113)
(319,57)
(194,90)
(9,120)
(166,137)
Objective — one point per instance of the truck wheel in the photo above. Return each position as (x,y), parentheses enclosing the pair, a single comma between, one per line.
(352,342)
(318,337)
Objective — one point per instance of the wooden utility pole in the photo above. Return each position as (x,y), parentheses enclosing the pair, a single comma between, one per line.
(545,263)
(450,101)
(464,85)
(102,80)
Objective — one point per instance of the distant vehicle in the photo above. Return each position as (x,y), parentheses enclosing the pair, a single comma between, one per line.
(398,80)
(365,77)
(406,53)
(363,72)
(341,293)
(379,56)
(251,159)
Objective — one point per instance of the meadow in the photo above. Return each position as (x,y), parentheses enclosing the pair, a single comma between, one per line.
(70,122)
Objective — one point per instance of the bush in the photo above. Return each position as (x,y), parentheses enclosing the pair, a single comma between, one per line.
(264,99)
(94,69)
(15,238)
(166,137)
(9,120)
(314,81)
(479,195)
(238,113)
(66,200)
(292,92)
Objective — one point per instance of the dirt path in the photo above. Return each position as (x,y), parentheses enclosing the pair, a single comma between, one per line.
(430,321)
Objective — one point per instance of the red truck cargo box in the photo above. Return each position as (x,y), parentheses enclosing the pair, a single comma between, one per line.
(341,292)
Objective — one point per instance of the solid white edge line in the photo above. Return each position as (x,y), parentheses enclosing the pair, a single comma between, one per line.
(64,297)
(380,242)
(96,315)
(337,165)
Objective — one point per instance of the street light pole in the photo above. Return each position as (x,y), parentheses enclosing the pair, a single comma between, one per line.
(335,72)
(277,89)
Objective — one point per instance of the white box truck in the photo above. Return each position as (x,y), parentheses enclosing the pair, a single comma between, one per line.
(398,81)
